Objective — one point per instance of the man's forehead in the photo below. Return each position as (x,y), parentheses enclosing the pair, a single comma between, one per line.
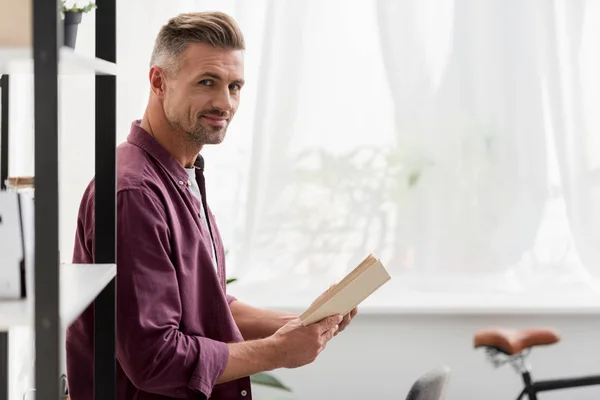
(199,56)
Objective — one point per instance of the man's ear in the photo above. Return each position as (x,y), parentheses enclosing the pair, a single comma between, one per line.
(157,78)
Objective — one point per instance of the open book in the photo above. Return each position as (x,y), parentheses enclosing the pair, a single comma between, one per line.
(359,284)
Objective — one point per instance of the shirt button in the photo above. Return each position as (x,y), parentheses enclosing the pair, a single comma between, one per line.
(244,393)
(181,182)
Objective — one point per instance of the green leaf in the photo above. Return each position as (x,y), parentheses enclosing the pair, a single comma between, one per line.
(76,8)
(414,178)
(264,379)
(230,280)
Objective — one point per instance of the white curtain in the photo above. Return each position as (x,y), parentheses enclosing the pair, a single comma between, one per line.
(492,91)
(455,139)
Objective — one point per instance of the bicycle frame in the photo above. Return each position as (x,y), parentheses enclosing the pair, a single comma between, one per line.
(531,388)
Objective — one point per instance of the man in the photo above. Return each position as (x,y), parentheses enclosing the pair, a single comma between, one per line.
(179,335)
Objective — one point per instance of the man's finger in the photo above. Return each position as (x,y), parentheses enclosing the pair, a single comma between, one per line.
(346,320)
(322,347)
(327,336)
(328,323)
(331,333)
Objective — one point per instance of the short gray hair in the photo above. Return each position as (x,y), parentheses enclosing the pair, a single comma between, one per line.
(213,28)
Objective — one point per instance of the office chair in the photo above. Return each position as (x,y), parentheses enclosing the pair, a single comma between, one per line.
(431,386)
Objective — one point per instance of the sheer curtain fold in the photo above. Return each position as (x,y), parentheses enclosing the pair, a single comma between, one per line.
(447,137)
(574,90)
(455,139)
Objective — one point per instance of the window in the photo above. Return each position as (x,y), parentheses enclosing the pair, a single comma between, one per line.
(455,142)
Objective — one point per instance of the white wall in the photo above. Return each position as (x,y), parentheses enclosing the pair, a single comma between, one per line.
(400,334)
(378,357)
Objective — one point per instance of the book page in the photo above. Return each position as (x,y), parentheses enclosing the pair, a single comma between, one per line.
(350,296)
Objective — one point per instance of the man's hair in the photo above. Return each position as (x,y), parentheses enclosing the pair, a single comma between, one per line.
(215,29)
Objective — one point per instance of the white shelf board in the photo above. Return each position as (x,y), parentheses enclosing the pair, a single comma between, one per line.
(13,313)
(80,284)
(19,60)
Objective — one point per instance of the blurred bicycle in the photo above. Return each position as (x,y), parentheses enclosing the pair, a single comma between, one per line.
(514,345)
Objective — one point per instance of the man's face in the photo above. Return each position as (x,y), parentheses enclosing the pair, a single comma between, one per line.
(203,94)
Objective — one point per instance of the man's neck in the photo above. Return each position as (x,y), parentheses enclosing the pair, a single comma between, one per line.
(173,141)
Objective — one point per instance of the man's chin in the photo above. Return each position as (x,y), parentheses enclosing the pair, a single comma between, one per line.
(207,137)
(216,137)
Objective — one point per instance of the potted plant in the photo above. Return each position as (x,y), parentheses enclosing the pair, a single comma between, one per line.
(71,19)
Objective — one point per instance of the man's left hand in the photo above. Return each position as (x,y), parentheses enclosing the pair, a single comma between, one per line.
(347,318)
(346,321)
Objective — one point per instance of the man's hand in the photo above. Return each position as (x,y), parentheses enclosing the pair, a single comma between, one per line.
(291,346)
(347,318)
(298,345)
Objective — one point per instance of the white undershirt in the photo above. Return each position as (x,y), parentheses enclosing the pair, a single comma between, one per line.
(196,191)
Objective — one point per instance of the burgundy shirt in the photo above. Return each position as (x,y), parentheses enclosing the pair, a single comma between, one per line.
(173,316)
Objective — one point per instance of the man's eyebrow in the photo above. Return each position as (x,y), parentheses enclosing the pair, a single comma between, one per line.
(211,75)
(218,78)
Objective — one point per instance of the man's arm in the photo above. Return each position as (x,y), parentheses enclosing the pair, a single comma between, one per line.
(155,355)
(256,323)
(293,345)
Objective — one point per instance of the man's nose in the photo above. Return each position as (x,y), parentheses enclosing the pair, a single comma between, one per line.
(223,100)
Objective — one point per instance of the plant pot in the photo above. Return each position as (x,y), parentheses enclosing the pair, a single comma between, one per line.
(70,25)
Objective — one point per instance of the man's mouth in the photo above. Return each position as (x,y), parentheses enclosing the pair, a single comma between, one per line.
(215,120)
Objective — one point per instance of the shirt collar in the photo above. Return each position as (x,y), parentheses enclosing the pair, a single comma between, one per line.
(140,137)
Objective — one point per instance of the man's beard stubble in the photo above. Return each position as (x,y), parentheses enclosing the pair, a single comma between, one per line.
(199,134)
(202,135)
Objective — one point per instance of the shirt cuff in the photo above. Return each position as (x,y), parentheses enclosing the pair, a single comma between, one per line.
(213,360)
(230,299)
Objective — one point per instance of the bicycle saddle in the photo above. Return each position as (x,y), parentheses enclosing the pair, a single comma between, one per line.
(514,341)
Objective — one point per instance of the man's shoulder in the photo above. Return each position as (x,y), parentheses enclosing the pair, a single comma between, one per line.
(136,172)
(139,179)
(135,168)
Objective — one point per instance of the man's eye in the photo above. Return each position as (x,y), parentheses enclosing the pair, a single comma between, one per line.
(206,82)
(235,87)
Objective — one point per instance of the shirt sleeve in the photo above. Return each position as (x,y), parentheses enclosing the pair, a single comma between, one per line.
(230,299)
(155,355)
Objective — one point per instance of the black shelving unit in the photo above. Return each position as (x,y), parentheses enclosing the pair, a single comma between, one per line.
(47,44)
(3,130)
(4,81)
(105,240)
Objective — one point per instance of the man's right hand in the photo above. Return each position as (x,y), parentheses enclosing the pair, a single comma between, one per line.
(292,346)
(298,345)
